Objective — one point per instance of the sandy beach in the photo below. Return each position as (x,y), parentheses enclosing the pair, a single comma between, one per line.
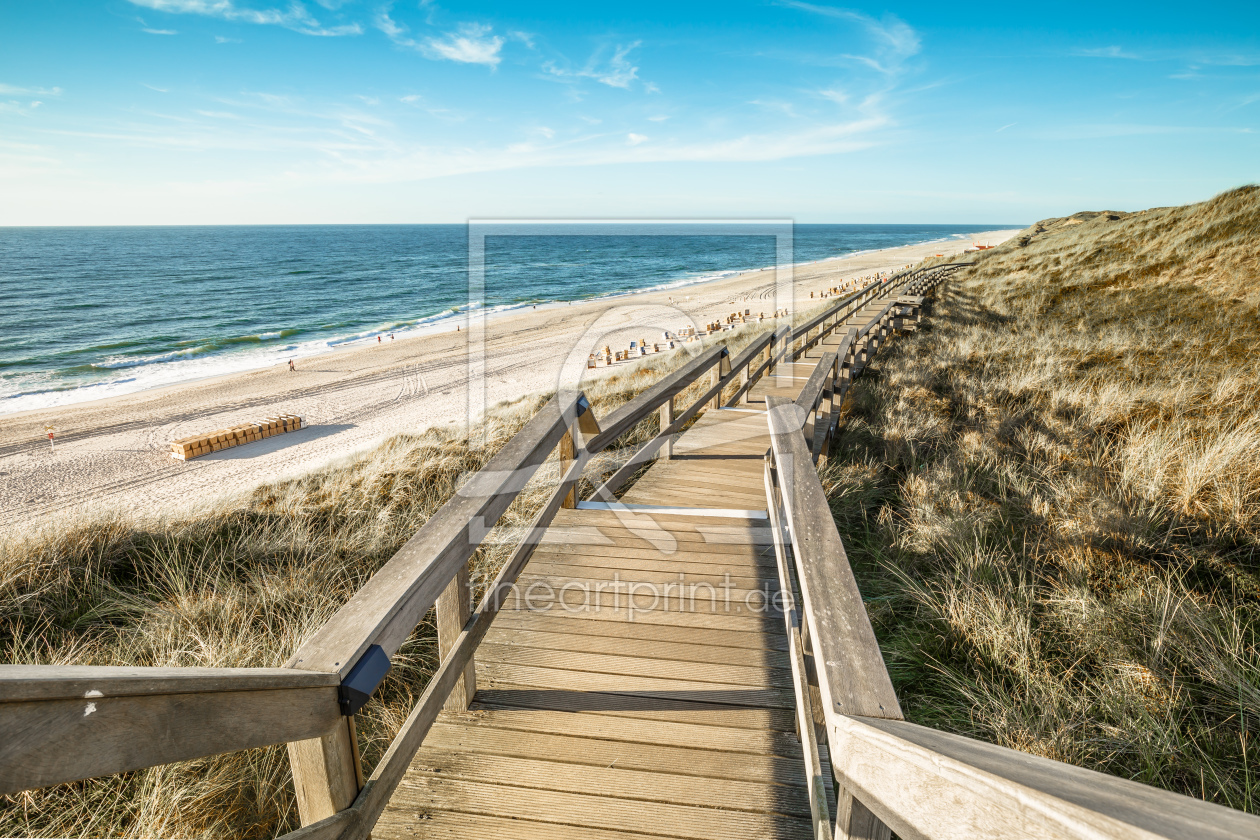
(112,454)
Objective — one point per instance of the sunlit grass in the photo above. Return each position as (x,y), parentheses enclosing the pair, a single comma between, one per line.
(1051,497)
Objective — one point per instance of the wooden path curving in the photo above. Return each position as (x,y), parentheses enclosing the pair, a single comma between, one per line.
(672,719)
(634,671)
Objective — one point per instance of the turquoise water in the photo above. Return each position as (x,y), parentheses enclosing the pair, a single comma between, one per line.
(93,312)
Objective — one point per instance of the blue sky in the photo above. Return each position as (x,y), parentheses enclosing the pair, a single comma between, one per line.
(297,111)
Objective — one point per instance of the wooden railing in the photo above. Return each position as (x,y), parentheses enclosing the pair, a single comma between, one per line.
(65,723)
(889,774)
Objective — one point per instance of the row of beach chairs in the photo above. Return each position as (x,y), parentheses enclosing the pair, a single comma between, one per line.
(197,445)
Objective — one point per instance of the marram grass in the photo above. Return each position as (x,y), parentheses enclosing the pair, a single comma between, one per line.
(1051,498)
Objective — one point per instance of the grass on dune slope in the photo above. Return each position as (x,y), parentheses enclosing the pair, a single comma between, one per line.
(1051,498)
(241,586)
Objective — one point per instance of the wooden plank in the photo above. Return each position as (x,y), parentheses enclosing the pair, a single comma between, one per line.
(573,594)
(633,730)
(664,572)
(747,642)
(65,682)
(726,794)
(745,561)
(688,759)
(679,507)
(855,680)
(929,784)
(664,544)
(606,704)
(692,671)
(681,525)
(45,742)
(704,692)
(404,824)
(432,792)
(716,620)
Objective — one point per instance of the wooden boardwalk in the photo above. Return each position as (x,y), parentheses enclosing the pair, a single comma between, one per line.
(638,672)
(674,718)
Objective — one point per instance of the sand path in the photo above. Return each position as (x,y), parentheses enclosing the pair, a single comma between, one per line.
(112,453)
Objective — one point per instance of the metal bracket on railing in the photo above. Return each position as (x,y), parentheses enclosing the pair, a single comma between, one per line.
(356,689)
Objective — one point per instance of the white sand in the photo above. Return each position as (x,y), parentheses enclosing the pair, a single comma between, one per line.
(113,453)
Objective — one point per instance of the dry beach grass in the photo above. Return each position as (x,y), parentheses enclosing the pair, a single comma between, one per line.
(242,585)
(1051,497)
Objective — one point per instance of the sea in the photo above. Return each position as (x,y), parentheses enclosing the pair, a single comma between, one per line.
(93,312)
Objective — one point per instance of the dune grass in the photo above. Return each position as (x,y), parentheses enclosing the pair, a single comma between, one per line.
(241,585)
(1051,498)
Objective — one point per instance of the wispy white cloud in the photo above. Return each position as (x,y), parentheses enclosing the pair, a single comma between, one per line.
(1003,128)
(633,139)
(471,43)
(618,72)
(160,31)
(893,40)
(615,71)
(219,115)
(158,89)
(1106,52)
(295,17)
(659,118)
(14,90)
(220,39)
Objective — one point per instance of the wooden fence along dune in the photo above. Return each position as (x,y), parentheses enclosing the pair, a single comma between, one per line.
(753,703)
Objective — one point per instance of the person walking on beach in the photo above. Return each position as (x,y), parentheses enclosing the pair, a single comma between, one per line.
(291,367)
(378,339)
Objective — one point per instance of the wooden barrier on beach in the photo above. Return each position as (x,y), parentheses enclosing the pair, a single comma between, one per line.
(186,448)
(866,771)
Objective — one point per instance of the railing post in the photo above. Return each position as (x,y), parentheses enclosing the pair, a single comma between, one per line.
(722,368)
(667,420)
(327,775)
(453,610)
(744,375)
(567,454)
(855,822)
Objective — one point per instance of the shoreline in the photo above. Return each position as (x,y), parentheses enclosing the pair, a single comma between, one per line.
(111,453)
(427,325)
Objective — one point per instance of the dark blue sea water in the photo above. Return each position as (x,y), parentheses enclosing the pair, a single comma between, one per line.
(92,312)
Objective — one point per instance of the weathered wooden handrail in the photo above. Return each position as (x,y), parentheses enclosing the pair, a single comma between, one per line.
(390,605)
(892,775)
(61,723)
(356,821)
(820,812)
